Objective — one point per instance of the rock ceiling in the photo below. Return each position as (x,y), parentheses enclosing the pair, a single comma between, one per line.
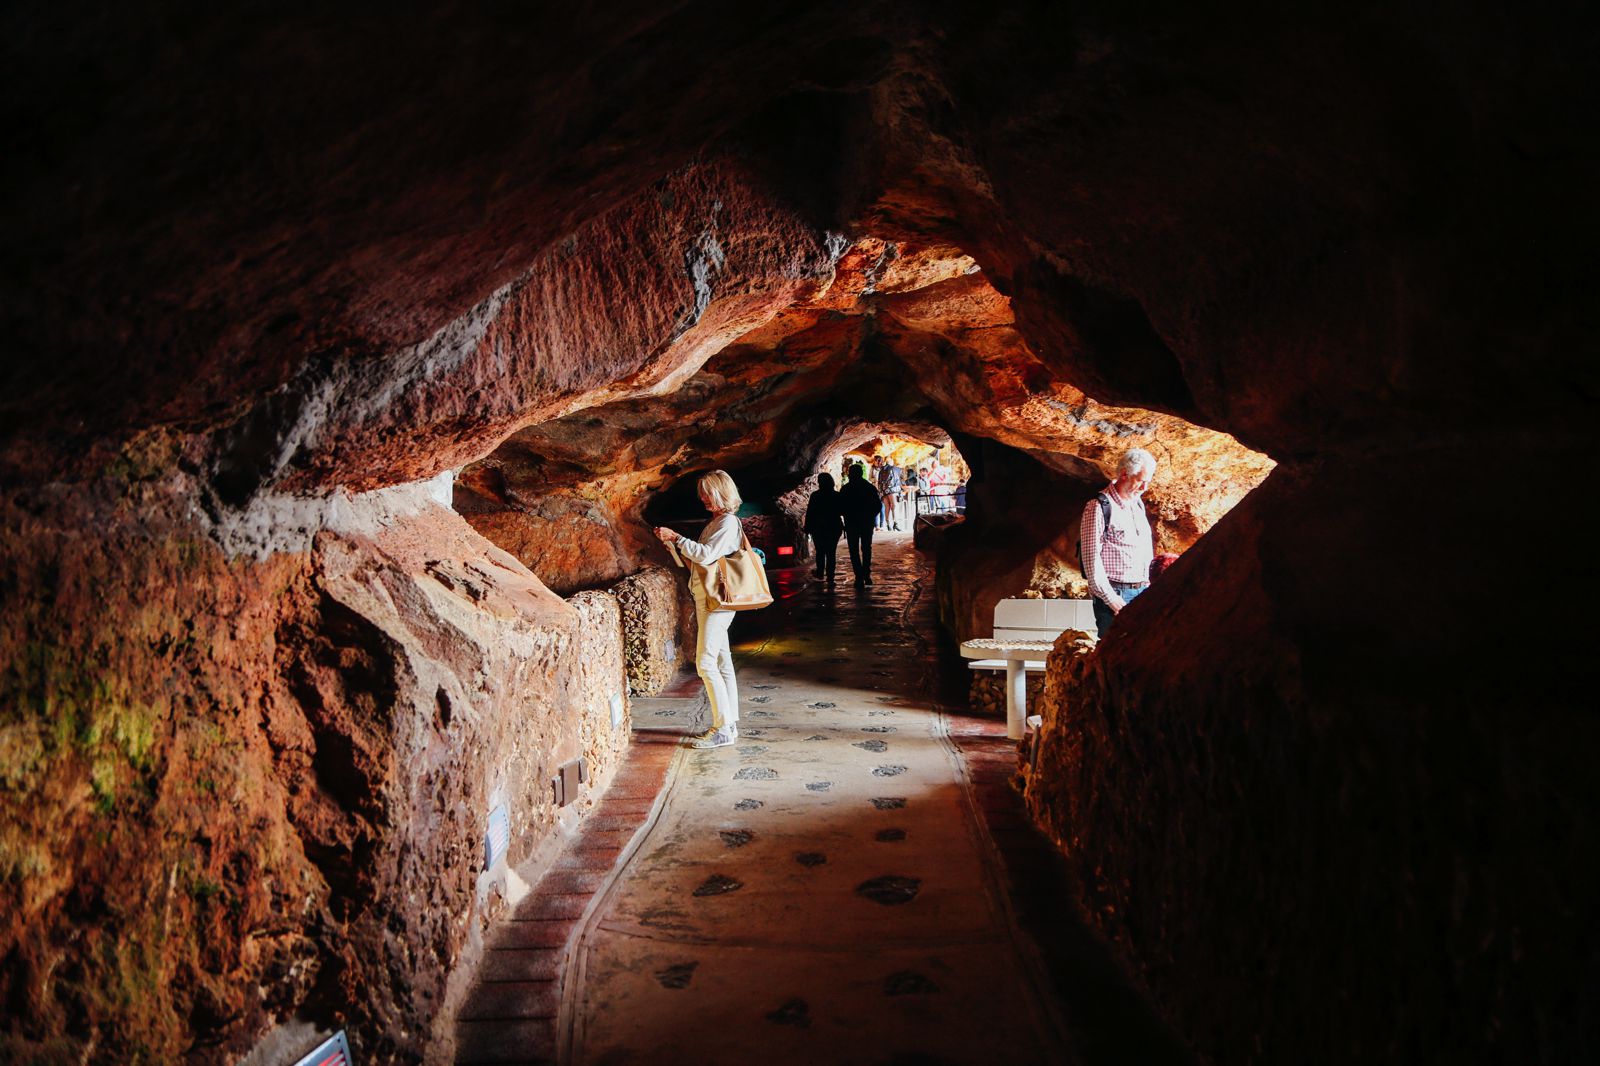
(898,330)
(259,261)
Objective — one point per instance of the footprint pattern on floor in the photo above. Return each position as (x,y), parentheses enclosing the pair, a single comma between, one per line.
(784,895)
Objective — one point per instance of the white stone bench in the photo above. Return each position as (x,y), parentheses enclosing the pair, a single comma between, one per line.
(1023,620)
(1024,632)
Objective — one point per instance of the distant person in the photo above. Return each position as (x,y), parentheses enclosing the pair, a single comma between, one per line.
(1114,538)
(873,475)
(859,506)
(823,525)
(938,484)
(889,493)
(713,658)
(961,497)
(908,498)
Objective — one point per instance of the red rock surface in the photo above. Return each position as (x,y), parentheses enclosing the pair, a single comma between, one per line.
(1241,744)
(257,261)
(940,346)
(247,787)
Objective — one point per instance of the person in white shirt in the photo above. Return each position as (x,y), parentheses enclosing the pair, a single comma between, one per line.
(713,658)
(938,486)
(1114,538)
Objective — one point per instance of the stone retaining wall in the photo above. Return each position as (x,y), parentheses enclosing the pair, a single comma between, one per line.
(987,692)
(602,679)
(657,627)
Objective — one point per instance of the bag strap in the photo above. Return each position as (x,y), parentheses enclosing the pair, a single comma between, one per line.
(744,544)
(1105,522)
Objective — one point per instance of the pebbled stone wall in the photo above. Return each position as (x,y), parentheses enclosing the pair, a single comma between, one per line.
(657,627)
(602,678)
(986,692)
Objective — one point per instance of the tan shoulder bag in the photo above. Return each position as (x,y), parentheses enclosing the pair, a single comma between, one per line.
(737,582)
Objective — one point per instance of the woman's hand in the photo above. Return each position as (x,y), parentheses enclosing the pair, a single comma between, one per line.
(665,535)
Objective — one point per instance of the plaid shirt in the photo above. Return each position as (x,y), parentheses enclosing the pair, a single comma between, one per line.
(1118,552)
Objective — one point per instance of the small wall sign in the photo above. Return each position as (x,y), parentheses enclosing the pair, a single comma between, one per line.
(498,837)
(334,1051)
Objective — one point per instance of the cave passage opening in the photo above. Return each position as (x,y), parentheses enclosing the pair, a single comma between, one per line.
(929,479)
(268,282)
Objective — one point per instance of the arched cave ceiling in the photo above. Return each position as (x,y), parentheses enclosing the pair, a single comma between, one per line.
(302,252)
(254,255)
(899,332)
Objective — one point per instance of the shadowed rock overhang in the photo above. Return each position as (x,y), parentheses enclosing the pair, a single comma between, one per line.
(274,281)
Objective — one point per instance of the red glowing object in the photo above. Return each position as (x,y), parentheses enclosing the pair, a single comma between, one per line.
(787,549)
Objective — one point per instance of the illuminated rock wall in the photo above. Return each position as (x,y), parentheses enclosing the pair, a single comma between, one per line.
(259,262)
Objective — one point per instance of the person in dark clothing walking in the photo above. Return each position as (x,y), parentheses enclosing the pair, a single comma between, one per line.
(823,525)
(859,506)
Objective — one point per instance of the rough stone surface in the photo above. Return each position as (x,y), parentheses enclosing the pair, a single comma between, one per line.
(574,543)
(746,407)
(259,786)
(601,679)
(283,258)
(655,613)
(1333,794)
(986,694)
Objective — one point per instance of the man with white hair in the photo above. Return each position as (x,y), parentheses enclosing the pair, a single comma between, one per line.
(1114,538)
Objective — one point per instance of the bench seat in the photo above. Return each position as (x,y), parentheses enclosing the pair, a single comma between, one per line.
(1021,619)
(1033,666)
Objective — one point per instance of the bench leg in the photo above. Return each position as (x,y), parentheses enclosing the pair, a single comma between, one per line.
(1016,698)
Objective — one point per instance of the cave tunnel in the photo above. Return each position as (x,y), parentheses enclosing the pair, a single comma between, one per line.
(351,357)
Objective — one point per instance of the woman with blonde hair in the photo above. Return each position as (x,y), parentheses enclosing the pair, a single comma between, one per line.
(713,658)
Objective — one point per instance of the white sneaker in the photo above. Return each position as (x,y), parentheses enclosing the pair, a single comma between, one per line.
(714,738)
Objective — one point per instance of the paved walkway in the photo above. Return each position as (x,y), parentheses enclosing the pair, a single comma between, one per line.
(826,891)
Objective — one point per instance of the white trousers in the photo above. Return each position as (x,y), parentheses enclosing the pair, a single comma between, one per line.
(713,658)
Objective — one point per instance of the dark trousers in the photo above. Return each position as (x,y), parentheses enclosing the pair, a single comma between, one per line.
(825,548)
(860,542)
(1102,614)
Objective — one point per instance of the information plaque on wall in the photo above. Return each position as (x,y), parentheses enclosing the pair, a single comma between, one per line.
(334,1051)
(498,837)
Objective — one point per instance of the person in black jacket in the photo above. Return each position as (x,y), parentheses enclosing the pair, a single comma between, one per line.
(859,506)
(823,525)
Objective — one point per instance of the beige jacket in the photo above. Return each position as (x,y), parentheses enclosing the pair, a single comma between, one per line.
(722,536)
